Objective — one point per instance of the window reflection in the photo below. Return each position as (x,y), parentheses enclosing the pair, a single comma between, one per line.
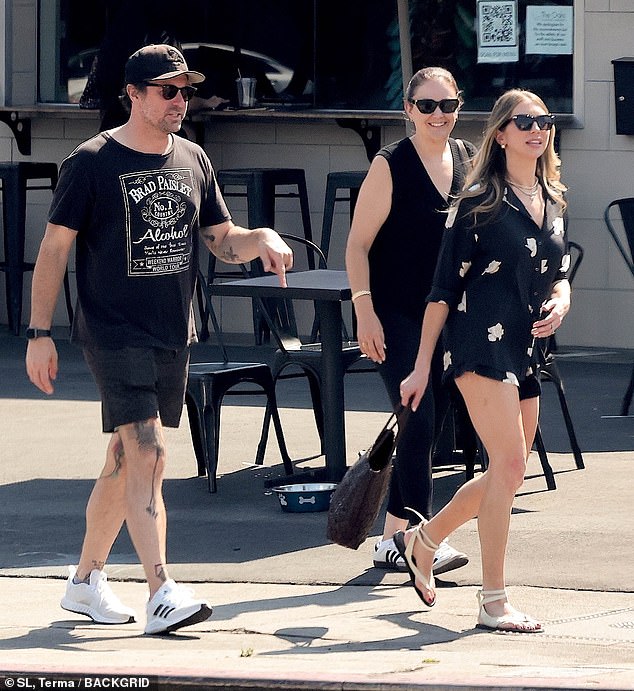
(444,32)
(303,53)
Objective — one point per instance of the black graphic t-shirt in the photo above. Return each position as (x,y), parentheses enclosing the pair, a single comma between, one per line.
(137,218)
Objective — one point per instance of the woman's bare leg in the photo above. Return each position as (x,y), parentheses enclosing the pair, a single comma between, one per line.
(503,424)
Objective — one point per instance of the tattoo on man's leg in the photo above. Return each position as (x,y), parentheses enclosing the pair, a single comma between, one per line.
(118,459)
(146,435)
(151,507)
(147,439)
(159,571)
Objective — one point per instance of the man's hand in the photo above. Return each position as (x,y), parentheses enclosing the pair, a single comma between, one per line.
(275,254)
(41,363)
(236,245)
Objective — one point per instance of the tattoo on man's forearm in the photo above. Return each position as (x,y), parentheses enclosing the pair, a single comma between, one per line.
(208,236)
(159,572)
(230,256)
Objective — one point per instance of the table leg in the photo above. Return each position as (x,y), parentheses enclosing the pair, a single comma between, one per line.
(332,391)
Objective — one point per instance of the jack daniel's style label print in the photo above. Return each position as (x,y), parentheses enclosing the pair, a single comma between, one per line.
(159,211)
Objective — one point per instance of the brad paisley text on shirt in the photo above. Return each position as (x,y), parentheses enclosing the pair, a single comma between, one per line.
(159,213)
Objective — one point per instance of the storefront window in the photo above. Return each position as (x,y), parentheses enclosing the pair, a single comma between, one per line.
(494,45)
(303,53)
(332,54)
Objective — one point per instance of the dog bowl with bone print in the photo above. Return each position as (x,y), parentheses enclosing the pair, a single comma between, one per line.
(302,498)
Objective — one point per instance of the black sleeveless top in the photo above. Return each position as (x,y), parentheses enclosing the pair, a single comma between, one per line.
(403,255)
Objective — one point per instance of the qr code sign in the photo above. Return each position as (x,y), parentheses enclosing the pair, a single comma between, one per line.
(497,23)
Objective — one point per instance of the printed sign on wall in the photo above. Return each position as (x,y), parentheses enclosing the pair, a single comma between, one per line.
(549,30)
(497,31)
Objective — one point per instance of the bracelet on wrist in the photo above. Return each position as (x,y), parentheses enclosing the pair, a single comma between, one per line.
(359,294)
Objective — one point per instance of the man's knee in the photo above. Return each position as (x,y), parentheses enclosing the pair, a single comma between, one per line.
(115,459)
(144,445)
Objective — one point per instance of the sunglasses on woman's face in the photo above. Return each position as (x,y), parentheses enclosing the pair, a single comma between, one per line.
(169,91)
(427,105)
(524,123)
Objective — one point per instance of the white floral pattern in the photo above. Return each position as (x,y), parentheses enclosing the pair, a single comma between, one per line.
(496,332)
(446,360)
(494,267)
(565,262)
(462,306)
(507,272)
(511,379)
(451,216)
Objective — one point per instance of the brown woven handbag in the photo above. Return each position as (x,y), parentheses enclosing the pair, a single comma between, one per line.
(355,504)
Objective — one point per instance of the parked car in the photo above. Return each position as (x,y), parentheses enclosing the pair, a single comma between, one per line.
(221,63)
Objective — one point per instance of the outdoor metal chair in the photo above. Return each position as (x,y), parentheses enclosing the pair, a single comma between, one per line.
(626,208)
(549,372)
(305,359)
(207,385)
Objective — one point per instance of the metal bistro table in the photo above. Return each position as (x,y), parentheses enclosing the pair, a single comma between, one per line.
(328,289)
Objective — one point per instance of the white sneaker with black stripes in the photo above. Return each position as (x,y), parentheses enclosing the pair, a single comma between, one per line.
(386,556)
(173,607)
(95,599)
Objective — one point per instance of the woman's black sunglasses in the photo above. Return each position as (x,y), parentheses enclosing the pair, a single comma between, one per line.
(524,123)
(427,105)
(169,91)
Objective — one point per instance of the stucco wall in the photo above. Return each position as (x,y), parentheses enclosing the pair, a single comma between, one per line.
(598,166)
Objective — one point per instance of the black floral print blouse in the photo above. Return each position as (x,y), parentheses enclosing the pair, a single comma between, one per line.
(495,276)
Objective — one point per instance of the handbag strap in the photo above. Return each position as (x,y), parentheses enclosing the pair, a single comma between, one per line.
(464,154)
(398,418)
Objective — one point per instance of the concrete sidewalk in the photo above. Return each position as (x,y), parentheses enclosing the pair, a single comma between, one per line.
(291,609)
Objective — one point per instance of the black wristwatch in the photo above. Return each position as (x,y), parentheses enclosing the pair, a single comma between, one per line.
(37,333)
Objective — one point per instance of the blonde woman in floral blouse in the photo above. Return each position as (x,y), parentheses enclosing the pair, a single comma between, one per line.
(500,283)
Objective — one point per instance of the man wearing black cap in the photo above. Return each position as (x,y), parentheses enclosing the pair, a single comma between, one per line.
(137,200)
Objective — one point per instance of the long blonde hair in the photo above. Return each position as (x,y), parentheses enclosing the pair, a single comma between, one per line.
(487,177)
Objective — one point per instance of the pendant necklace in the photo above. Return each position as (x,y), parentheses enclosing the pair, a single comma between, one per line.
(530,192)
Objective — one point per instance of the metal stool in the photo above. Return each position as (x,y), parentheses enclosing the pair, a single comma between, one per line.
(15,179)
(341,180)
(260,189)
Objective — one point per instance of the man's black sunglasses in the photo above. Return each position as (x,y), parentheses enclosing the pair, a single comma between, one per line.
(169,91)
(524,123)
(428,105)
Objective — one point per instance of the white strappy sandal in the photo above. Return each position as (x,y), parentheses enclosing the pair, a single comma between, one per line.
(407,552)
(515,622)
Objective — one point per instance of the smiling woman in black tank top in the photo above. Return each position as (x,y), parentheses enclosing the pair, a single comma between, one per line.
(391,255)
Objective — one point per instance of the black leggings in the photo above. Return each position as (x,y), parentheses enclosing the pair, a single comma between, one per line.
(411,483)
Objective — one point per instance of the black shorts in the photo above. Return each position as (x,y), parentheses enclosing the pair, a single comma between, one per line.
(530,387)
(137,384)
